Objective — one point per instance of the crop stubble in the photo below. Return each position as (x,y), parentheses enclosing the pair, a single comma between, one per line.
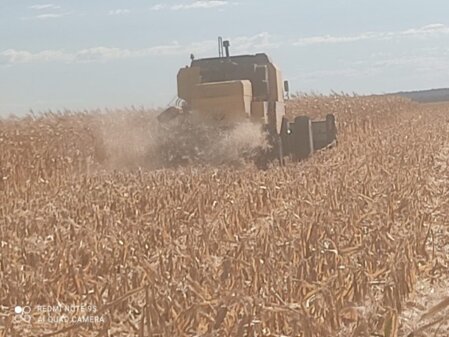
(333,245)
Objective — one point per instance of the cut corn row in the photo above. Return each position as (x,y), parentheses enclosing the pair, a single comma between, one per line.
(333,245)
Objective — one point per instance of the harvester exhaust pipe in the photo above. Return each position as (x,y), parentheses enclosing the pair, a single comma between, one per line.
(220,47)
(226,46)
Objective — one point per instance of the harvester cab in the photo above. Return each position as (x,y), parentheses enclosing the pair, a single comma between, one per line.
(227,89)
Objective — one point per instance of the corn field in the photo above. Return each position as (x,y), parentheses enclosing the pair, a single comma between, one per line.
(346,243)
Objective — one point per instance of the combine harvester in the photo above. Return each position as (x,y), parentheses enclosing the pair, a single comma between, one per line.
(226,90)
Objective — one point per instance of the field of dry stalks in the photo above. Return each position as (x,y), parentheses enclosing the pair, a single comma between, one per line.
(352,242)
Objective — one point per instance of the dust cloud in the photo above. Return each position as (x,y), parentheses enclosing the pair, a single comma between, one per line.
(132,139)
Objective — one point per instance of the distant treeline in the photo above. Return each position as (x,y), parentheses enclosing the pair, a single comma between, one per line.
(427,96)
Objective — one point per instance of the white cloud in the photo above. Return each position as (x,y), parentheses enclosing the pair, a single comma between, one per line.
(198,4)
(23,56)
(242,44)
(119,11)
(257,43)
(419,63)
(46,11)
(433,30)
(50,16)
(44,6)
(329,39)
(330,73)
(95,54)
(158,7)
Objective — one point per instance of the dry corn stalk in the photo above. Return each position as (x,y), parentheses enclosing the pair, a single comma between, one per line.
(333,244)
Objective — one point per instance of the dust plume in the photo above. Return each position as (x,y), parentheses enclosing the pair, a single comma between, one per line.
(131,139)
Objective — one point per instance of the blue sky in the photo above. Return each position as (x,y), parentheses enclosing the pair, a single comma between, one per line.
(57,54)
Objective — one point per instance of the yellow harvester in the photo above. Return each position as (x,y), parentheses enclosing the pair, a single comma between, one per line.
(225,90)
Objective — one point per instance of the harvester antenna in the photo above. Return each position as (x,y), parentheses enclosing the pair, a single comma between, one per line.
(220,46)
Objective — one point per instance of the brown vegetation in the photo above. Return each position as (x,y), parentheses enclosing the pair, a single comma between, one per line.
(333,245)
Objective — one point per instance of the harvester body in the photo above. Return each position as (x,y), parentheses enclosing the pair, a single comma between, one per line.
(229,89)
(232,89)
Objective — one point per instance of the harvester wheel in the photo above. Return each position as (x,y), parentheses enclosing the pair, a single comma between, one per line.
(284,147)
(261,162)
(273,152)
(302,138)
(278,150)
